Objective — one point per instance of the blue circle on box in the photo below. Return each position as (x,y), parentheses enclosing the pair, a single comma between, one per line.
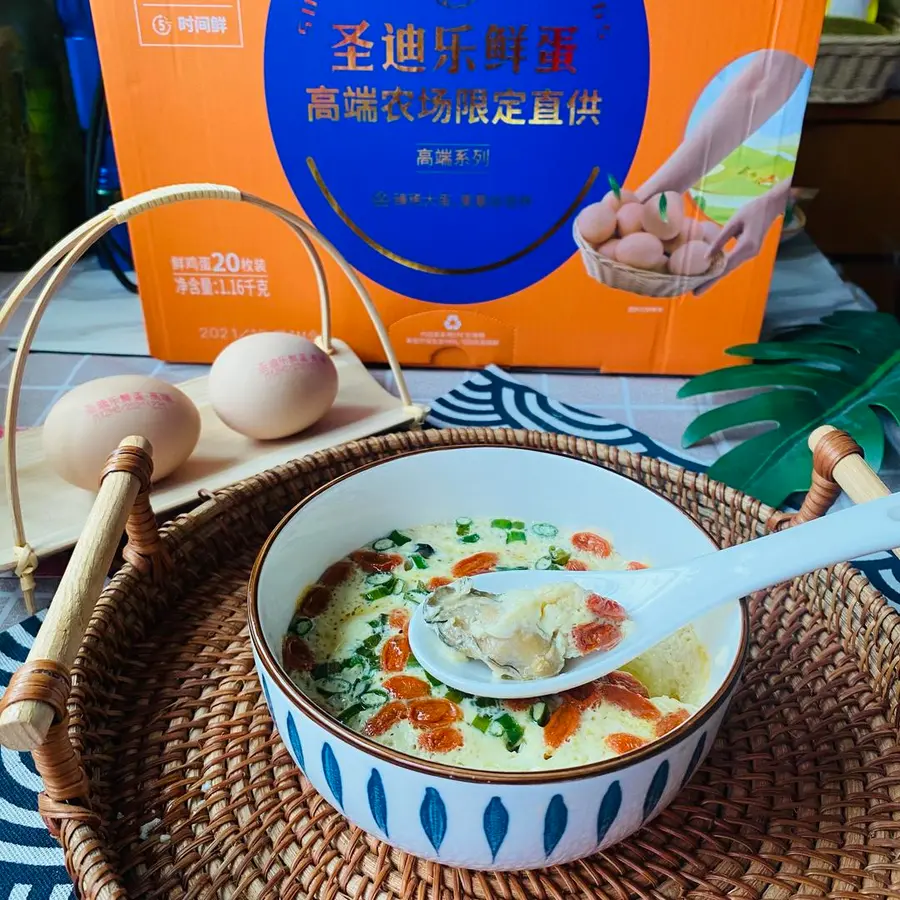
(446,147)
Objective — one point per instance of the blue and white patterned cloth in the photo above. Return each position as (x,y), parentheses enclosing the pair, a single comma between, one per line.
(31,863)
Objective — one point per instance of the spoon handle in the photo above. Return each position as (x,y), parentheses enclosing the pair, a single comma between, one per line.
(740,570)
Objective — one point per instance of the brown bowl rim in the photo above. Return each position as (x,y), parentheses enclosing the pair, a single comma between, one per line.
(458,773)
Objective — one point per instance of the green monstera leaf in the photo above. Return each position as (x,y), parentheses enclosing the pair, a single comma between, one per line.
(842,372)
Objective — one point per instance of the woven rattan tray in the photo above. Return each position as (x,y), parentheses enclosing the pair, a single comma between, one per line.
(186,791)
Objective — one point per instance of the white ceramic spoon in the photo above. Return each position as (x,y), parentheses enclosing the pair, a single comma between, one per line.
(660,601)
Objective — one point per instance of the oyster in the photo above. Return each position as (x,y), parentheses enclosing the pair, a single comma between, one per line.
(522,634)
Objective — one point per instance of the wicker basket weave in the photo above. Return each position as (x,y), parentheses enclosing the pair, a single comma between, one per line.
(798,798)
(164,778)
(640,281)
(853,68)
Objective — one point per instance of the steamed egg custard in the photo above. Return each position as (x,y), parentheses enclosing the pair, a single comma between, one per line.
(347,649)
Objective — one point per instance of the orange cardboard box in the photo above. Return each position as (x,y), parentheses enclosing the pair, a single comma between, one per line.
(476,161)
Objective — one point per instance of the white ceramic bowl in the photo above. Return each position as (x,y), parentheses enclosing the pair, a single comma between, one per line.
(462,817)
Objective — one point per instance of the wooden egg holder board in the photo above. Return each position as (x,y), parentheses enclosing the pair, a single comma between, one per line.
(46,514)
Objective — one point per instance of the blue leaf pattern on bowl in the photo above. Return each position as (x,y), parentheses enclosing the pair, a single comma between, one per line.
(294,738)
(555,821)
(695,759)
(377,800)
(332,773)
(267,695)
(496,824)
(657,789)
(433,816)
(609,809)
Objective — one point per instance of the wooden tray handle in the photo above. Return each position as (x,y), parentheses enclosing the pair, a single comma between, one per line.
(838,465)
(70,249)
(39,689)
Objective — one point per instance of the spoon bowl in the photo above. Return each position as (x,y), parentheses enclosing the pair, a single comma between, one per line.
(661,601)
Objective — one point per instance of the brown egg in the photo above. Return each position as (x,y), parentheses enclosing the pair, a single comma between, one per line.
(691,230)
(624,197)
(690,259)
(88,423)
(596,223)
(609,248)
(671,246)
(710,231)
(272,384)
(629,218)
(663,215)
(641,251)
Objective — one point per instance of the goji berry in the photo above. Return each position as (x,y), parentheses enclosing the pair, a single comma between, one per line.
(399,619)
(370,561)
(634,566)
(405,687)
(576,565)
(628,681)
(638,706)
(670,721)
(623,743)
(591,543)
(433,712)
(386,718)
(584,696)
(441,740)
(438,581)
(605,608)
(315,601)
(595,636)
(395,653)
(563,723)
(476,564)
(518,705)
(296,654)
(336,573)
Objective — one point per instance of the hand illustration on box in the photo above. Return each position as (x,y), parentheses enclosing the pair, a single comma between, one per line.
(708,208)
(760,91)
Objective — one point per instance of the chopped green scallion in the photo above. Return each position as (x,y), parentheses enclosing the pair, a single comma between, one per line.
(506,726)
(351,712)
(540,713)
(372,641)
(378,578)
(559,556)
(383,590)
(301,625)
(481,722)
(377,697)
